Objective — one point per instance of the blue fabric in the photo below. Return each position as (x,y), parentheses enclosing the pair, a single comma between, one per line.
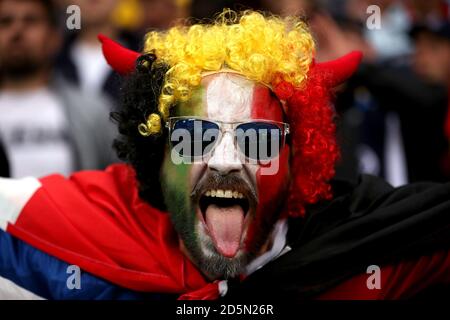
(47,276)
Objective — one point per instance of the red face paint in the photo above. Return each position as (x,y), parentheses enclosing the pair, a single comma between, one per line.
(271,188)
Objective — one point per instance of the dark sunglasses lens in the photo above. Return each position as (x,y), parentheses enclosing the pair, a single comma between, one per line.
(259,140)
(193,138)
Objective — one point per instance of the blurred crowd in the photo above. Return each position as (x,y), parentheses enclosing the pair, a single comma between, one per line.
(56,90)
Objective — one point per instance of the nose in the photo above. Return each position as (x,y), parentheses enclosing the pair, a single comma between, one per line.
(225,157)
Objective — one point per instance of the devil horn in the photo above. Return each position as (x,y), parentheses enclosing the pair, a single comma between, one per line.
(121,59)
(339,70)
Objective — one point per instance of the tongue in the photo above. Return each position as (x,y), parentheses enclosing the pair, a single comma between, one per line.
(225,225)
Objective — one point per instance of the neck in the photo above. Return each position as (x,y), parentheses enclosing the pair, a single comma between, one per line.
(36,81)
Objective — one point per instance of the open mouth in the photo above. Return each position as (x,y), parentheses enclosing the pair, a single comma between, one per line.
(225,214)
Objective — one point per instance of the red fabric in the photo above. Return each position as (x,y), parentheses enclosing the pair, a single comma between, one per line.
(400,281)
(96,220)
(208,292)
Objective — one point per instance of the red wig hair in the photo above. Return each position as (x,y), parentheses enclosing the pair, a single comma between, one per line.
(314,149)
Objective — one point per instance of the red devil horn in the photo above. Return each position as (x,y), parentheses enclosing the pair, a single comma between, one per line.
(119,58)
(339,70)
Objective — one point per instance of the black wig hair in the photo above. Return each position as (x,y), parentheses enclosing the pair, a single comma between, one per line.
(139,98)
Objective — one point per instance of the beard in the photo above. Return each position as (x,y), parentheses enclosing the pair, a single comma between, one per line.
(200,247)
(21,67)
(202,251)
(218,266)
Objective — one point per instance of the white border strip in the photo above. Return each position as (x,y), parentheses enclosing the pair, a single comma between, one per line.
(11,291)
(14,195)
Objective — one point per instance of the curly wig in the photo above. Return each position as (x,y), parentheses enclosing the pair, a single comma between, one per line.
(274,51)
(263,49)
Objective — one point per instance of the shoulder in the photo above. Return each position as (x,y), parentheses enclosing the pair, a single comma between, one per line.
(78,102)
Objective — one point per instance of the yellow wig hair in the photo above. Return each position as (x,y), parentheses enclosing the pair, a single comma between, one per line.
(265,49)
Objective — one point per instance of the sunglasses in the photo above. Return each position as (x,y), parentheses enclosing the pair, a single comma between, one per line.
(194,138)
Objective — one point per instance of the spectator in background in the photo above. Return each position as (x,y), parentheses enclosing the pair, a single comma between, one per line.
(418,96)
(430,12)
(390,111)
(207,9)
(391,40)
(289,7)
(432,54)
(432,64)
(400,108)
(46,125)
(162,14)
(4,165)
(81,60)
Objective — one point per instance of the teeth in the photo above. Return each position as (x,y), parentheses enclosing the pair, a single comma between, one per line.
(224,194)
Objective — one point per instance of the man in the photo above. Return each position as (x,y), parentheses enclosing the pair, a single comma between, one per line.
(419,97)
(81,61)
(432,64)
(46,125)
(229,134)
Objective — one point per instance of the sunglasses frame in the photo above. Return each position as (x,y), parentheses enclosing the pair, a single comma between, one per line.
(231,126)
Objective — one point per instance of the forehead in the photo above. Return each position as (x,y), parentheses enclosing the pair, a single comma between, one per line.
(230,97)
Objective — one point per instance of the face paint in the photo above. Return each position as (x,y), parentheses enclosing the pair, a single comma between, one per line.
(224,207)
(271,188)
(175,182)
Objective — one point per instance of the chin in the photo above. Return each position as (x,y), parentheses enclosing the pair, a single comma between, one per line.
(215,265)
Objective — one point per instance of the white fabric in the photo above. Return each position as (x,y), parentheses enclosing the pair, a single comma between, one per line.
(395,159)
(223,287)
(34,130)
(14,195)
(369,161)
(10,291)
(91,65)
